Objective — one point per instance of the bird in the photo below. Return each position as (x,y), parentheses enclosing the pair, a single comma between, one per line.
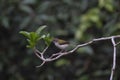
(61,44)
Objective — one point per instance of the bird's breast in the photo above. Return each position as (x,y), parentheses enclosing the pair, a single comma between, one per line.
(63,46)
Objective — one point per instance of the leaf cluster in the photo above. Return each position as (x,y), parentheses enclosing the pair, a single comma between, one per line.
(34,37)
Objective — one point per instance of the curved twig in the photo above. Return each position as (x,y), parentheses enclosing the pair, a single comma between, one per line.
(114,59)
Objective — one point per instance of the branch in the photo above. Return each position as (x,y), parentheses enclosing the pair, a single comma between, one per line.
(114,58)
(94,40)
(41,64)
(56,56)
(117,43)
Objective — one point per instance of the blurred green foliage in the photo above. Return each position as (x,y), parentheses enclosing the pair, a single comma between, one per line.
(75,20)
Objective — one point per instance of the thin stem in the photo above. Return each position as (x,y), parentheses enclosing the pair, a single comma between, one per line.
(117,43)
(114,59)
(41,64)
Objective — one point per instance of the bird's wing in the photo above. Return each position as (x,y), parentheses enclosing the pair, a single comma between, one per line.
(63,42)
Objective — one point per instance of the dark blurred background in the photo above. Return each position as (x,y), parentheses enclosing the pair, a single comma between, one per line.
(77,21)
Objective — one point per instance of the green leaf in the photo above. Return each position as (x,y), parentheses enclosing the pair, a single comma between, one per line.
(47,38)
(25,22)
(29,1)
(31,44)
(34,37)
(43,36)
(101,3)
(25,33)
(26,8)
(38,31)
(5,22)
(107,4)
